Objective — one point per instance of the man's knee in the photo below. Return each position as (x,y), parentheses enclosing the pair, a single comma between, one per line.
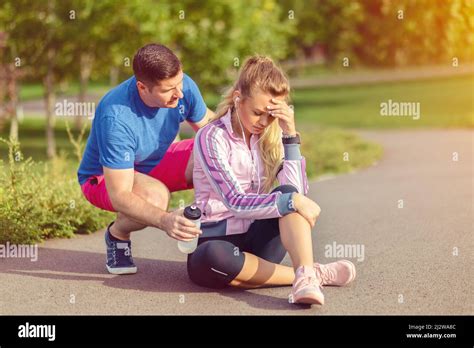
(155,193)
(157,197)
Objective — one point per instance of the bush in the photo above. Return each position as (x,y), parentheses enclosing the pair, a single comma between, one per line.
(43,200)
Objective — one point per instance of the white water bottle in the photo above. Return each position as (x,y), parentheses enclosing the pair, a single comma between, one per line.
(192,213)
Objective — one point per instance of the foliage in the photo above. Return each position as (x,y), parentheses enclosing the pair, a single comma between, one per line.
(43,200)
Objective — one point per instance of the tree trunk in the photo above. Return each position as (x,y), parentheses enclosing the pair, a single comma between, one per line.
(49,100)
(14,126)
(3,113)
(86,61)
(114,76)
(13,102)
(3,78)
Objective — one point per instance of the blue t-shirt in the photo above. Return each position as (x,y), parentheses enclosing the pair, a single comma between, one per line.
(126,133)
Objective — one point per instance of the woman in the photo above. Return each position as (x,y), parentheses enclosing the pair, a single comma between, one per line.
(248,227)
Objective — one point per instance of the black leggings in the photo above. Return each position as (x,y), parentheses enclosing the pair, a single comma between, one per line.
(218,260)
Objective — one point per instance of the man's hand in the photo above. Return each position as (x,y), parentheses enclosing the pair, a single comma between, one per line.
(178,227)
(306,208)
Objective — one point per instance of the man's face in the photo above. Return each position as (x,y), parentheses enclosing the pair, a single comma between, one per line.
(165,94)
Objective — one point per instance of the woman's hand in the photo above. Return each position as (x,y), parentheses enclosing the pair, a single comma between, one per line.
(306,208)
(284,114)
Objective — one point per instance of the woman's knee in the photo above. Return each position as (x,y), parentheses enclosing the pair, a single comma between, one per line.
(215,264)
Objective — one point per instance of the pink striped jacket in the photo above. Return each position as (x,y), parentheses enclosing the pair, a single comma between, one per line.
(226,178)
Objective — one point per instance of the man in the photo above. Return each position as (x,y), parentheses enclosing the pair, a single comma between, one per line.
(130,164)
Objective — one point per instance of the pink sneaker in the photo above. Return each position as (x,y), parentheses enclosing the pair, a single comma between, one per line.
(306,287)
(337,273)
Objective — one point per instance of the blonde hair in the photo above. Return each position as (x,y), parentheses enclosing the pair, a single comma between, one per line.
(260,73)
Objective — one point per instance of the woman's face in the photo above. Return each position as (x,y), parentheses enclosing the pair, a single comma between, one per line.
(253,112)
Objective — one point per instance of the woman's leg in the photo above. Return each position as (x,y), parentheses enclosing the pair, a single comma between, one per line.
(295,234)
(217,263)
(267,242)
(257,272)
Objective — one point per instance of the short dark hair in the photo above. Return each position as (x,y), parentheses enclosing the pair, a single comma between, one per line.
(154,62)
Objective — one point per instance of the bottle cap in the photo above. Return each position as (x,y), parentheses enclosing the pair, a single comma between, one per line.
(192,212)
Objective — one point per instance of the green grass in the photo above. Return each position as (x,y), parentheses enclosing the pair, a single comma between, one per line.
(443,103)
(33,137)
(336,151)
(31,91)
(35,90)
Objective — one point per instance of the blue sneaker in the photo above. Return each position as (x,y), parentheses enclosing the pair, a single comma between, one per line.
(119,255)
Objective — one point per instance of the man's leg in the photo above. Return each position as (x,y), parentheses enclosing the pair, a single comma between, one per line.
(175,170)
(151,190)
(173,173)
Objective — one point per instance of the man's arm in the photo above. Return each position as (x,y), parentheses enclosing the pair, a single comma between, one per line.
(207,118)
(119,183)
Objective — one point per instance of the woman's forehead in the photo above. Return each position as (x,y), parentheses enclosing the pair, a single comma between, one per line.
(261,99)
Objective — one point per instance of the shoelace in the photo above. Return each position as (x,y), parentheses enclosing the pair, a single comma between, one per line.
(114,255)
(127,252)
(303,281)
(326,275)
(306,280)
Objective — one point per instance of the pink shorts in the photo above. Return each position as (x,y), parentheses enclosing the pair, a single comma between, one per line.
(170,171)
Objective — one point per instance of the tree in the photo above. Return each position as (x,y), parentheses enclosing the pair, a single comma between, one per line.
(10,72)
(384,33)
(98,28)
(36,40)
(330,24)
(214,37)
